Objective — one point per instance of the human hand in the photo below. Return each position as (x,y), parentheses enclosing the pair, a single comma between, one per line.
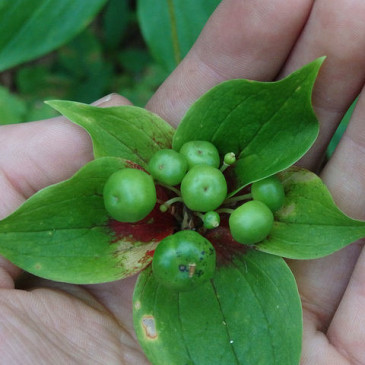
(58,323)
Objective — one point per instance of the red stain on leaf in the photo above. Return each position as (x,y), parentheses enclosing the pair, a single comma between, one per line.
(146,259)
(154,227)
(150,253)
(226,247)
(132,165)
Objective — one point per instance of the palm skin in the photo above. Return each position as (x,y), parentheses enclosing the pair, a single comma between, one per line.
(43,322)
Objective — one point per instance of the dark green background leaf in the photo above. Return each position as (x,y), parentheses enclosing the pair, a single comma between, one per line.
(12,108)
(115,22)
(128,132)
(309,225)
(170,27)
(31,28)
(268,125)
(63,232)
(250,313)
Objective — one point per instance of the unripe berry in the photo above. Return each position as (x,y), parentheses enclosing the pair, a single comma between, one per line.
(129,195)
(203,188)
(211,220)
(251,222)
(200,153)
(168,166)
(184,260)
(269,191)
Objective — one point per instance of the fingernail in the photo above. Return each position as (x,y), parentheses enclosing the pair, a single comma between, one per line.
(102,100)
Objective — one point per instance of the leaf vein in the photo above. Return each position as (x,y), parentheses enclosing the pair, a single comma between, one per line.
(262,309)
(224,319)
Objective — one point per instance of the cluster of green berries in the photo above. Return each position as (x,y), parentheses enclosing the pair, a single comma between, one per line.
(195,173)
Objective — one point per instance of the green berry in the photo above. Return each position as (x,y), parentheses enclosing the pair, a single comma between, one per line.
(269,191)
(168,166)
(200,153)
(184,260)
(129,195)
(251,222)
(203,188)
(164,208)
(229,158)
(211,220)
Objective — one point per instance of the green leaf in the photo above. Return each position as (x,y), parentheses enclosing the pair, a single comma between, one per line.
(250,313)
(127,131)
(309,225)
(115,22)
(341,129)
(31,28)
(170,27)
(269,125)
(63,232)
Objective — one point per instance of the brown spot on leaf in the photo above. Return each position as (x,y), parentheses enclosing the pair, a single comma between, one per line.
(286,211)
(149,327)
(132,165)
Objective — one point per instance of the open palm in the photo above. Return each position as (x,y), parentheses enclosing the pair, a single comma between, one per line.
(43,322)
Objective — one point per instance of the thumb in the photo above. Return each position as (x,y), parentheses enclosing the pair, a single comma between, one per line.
(37,154)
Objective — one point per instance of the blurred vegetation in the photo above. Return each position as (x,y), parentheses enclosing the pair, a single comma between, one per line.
(110,55)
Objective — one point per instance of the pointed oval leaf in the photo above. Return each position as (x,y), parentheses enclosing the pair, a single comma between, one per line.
(309,225)
(63,232)
(31,28)
(269,125)
(126,131)
(250,313)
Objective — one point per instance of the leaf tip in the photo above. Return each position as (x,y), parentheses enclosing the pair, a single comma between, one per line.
(56,104)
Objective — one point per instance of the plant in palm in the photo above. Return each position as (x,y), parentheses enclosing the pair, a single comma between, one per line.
(246,309)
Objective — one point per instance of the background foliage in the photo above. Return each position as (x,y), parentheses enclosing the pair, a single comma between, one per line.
(82,51)
(109,54)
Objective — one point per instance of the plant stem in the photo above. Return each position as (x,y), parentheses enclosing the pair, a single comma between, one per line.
(176,191)
(225,210)
(224,167)
(173,200)
(238,198)
(200,215)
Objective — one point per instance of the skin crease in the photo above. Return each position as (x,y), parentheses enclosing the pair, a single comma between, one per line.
(45,322)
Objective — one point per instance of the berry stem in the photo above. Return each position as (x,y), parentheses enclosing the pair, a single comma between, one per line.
(225,210)
(176,191)
(165,205)
(187,221)
(200,215)
(224,167)
(173,200)
(238,198)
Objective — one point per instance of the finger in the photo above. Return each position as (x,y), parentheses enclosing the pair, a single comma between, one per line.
(346,331)
(345,172)
(335,29)
(322,282)
(242,39)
